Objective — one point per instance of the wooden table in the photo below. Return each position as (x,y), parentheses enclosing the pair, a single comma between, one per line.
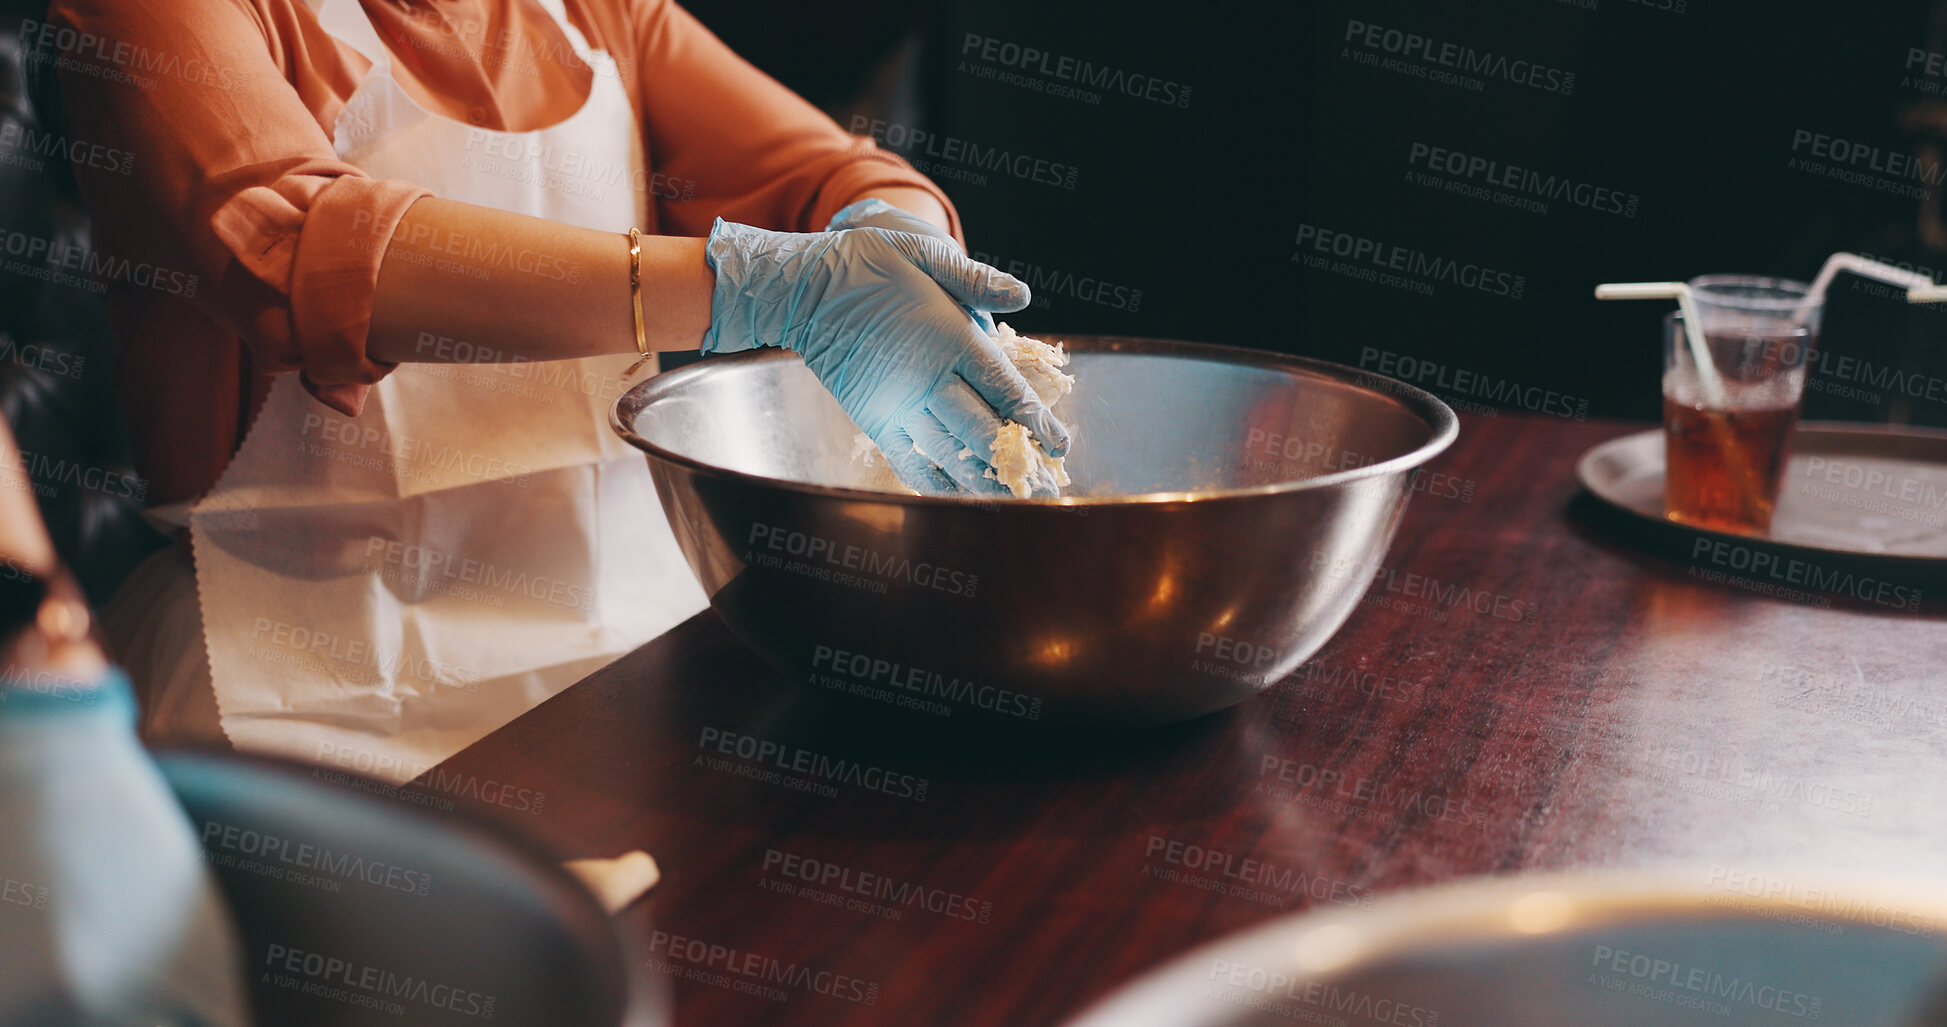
(1526,686)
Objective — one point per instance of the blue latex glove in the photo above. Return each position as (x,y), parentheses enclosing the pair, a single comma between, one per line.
(877,213)
(881,318)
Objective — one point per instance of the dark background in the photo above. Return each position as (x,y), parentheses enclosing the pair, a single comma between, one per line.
(1691,110)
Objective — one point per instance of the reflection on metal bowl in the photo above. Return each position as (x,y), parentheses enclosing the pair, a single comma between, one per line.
(1229,508)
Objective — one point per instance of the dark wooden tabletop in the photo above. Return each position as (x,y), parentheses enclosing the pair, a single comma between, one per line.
(1530,683)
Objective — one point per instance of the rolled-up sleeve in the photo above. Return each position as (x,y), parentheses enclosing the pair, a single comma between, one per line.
(230,178)
(728,140)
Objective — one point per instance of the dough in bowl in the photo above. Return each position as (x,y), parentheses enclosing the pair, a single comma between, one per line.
(1018,459)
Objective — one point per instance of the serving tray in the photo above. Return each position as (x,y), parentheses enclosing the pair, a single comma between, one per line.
(1849,489)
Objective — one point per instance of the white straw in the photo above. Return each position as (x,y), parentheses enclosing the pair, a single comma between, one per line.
(1858,265)
(1928,293)
(1715,396)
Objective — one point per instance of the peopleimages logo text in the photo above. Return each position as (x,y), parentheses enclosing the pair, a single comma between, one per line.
(1283,993)
(918,142)
(85,53)
(1069,69)
(318,858)
(1707,982)
(27,140)
(878,887)
(1043,281)
(726,959)
(1425,49)
(846,556)
(1431,374)
(891,673)
(1526,181)
(813,764)
(1866,156)
(370,982)
(104,268)
(1408,261)
(1794,571)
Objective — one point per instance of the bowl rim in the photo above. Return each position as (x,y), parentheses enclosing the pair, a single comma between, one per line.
(1440,419)
(1486,908)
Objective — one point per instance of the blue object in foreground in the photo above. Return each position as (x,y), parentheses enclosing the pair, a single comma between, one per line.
(108,914)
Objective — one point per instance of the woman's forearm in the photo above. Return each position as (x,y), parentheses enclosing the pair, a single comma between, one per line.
(521,288)
(515,287)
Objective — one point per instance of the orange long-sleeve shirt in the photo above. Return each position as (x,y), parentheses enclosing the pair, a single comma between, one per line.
(227,227)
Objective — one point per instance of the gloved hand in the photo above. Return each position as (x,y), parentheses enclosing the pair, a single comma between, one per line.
(876,213)
(878,316)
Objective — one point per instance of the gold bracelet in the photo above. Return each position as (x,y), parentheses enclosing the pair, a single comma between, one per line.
(635,298)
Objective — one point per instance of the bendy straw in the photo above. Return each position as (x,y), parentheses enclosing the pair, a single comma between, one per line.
(1864,267)
(1708,379)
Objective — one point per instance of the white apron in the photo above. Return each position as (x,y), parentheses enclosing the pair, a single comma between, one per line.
(380,592)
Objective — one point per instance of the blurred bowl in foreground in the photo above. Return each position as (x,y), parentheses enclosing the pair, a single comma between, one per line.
(361,903)
(1721,947)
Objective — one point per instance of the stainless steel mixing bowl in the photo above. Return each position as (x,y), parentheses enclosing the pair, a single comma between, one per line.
(1230,507)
